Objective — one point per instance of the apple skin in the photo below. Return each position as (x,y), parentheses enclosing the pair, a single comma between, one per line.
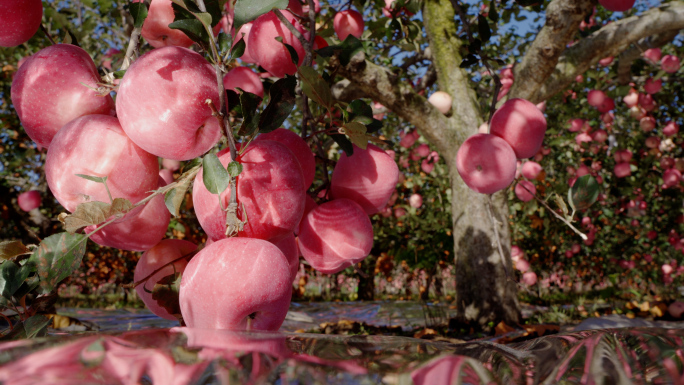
(335,235)
(671,128)
(288,246)
(348,22)
(529,278)
(156,29)
(53,87)
(29,200)
(670,64)
(245,79)
(521,124)
(576,125)
(631,99)
(271,188)
(522,193)
(415,201)
(653,54)
(622,170)
(138,230)
(232,279)
(599,99)
(96,145)
(368,177)
(162,253)
(653,86)
(19,20)
(617,5)
(162,106)
(244,34)
(676,309)
(441,100)
(486,163)
(171,164)
(671,177)
(308,206)
(267,51)
(166,175)
(531,170)
(299,148)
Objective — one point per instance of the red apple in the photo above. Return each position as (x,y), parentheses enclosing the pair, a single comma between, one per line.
(606,61)
(671,128)
(96,145)
(598,99)
(576,125)
(271,188)
(244,34)
(272,55)
(486,163)
(583,137)
(29,200)
(55,86)
(531,170)
(166,175)
(646,101)
(617,5)
(335,235)
(348,22)
(652,142)
(288,246)
(676,309)
(368,177)
(671,177)
(299,148)
(154,258)
(415,201)
(19,20)
(171,164)
(521,124)
(647,123)
(653,54)
(632,98)
(408,139)
(670,64)
(138,230)
(653,86)
(156,28)
(162,106)
(308,206)
(245,79)
(529,278)
(441,100)
(525,190)
(236,283)
(622,170)
(599,136)
(623,156)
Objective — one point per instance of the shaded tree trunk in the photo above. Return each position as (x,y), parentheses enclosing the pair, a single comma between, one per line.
(366,288)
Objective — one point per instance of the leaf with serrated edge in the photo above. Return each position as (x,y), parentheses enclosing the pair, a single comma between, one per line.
(56,258)
(11,249)
(216,178)
(248,10)
(315,87)
(356,133)
(174,198)
(87,214)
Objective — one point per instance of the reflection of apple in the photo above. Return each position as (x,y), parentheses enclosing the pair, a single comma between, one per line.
(154,258)
(290,250)
(617,5)
(19,20)
(29,200)
(236,283)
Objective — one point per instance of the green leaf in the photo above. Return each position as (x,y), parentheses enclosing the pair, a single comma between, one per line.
(249,104)
(294,57)
(469,60)
(11,278)
(223,42)
(35,326)
(193,28)
(234,168)
(98,179)
(70,38)
(139,13)
(483,28)
(11,249)
(315,87)
(173,199)
(282,94)
(356,133)
(248,10)
(238,49)
(165,293)
(344,143)
(56,258)
(216,178)
(583,193)
(119,74)
(360,108)
(214,8)
(205,18)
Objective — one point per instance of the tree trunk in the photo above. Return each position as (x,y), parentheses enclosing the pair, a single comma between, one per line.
(366,288)
(425,294)
(438,285)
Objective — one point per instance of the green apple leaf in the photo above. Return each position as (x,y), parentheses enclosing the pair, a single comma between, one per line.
(56,258)
(315,87)
(281,103)
(216,178)
(248,10)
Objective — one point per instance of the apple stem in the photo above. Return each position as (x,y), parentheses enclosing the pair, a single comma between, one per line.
(47,34)
(581,234)
(495,225)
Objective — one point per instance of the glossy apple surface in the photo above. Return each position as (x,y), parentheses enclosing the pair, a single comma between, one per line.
(271,54)
(335,235)
(156,28)
(309,205)
(162,253)
(243,33)
(95,145)
(270,187)
(245,79)
(162,106)
(368,177)
(19,20)
(348,22)
(486,163)
(531,170)
(29,200)
(525,190)
(290,250)
(521,124)
(236,282)
(617,5)
(299,148)
(55,86)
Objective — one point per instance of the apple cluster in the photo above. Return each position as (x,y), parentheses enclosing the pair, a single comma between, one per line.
(487,162)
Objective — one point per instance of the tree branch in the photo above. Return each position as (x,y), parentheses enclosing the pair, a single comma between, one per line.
(624,69)
(563,18)
(610,40)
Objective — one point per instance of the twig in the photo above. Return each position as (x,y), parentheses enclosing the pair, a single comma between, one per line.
(581,234)
(45,31)
(132,50)
(290,27)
